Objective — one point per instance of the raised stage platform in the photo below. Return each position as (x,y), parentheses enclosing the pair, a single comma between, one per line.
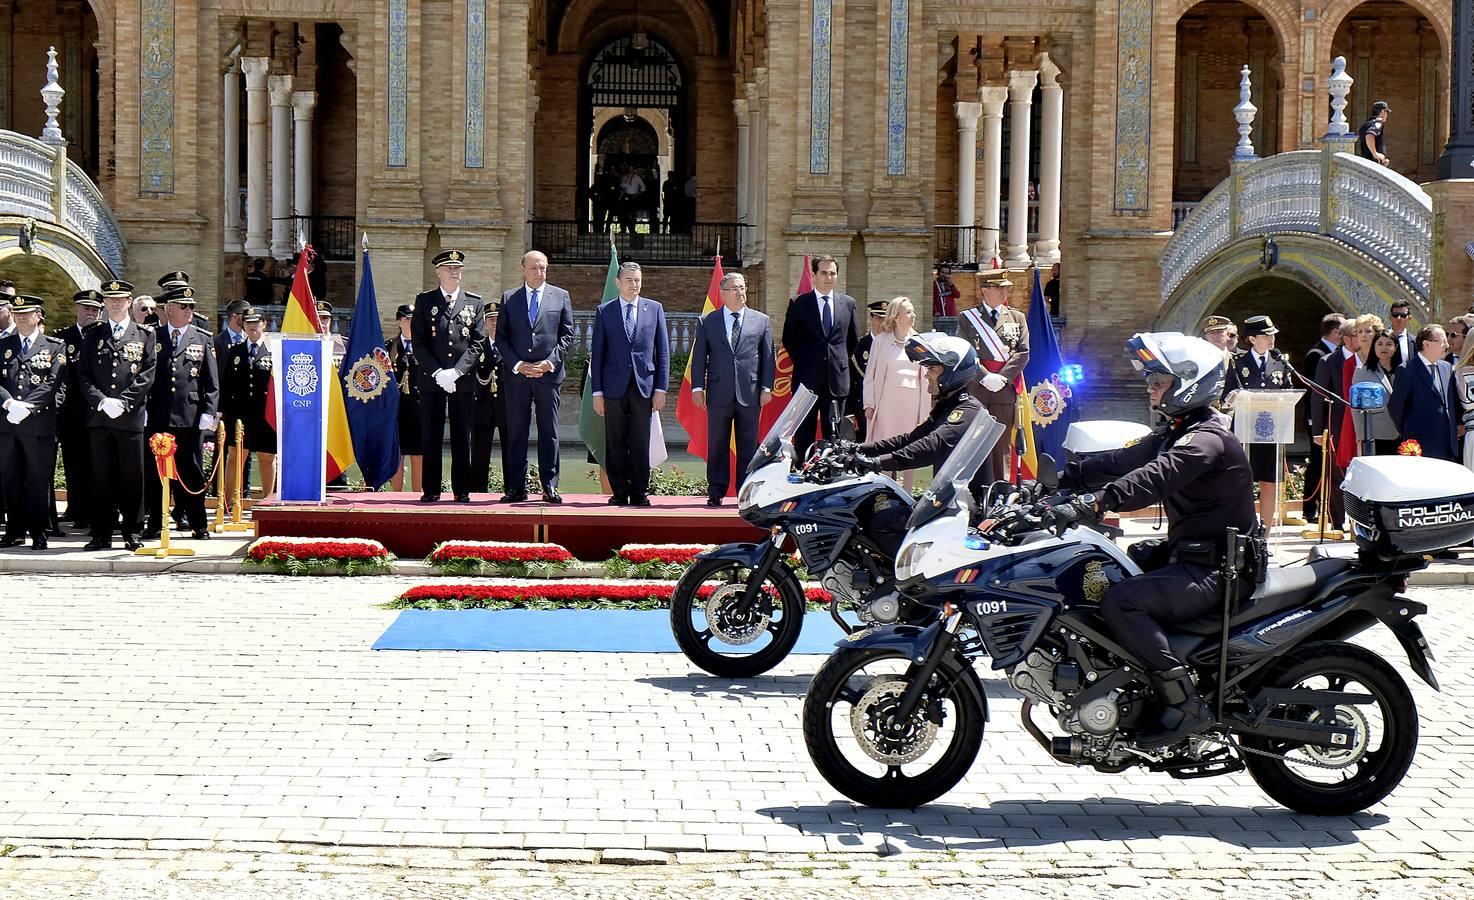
(587,525)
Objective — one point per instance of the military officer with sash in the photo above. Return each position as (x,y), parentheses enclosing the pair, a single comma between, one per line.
(447,330)
(1003,350)
(245,375)
(490,414)
(32,368)
(1260,368)
(184,403)
(72,418)
(115,372)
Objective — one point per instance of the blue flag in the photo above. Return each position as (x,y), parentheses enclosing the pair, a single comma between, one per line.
(1053,402)
(302,367)
(370,391)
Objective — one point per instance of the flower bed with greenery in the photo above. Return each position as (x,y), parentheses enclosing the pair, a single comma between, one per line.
(652,560)
(567,594)
(509,560)
(319,556)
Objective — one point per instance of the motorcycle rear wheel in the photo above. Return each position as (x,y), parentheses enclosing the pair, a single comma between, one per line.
(842,682)
(778,614)
(1386,733)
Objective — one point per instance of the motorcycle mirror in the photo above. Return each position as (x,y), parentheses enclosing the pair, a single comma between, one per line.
(1048,472)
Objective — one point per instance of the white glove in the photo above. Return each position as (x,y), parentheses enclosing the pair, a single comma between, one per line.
(207,423)
(994,382)
(446,378)
(112,407)
(16,411)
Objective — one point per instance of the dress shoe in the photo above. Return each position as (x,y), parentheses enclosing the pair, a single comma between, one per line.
(11,541)
(713,501)
(150,534)
(429,498)
(463,498)
(200,534)
(617,500)
(639,501)
(38,542)
(56,531)
(132,543)
(552,497)
(512,498)
(97,544)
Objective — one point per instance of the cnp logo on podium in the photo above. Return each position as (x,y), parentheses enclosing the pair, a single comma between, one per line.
(302,414)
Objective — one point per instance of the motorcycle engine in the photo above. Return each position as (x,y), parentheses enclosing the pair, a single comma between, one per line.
(1034,678)
(1053,683)
(840,581)
(882,610)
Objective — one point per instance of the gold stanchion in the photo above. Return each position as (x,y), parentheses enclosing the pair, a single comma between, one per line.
(1282,503)
(1319,531)
(221,493)
(162,446)
(238,462)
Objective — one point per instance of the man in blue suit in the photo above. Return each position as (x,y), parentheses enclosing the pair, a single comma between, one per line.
(533,335)
(630,367)
(732,368)
(1425,405)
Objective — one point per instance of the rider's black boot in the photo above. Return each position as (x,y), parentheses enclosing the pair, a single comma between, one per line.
(1184,711)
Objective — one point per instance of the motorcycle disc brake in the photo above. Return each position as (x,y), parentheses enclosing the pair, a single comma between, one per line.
(874,711)
(729,623)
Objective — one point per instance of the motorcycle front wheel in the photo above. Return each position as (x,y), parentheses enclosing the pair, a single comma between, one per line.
(848,727)
(721,633)
(1326,781)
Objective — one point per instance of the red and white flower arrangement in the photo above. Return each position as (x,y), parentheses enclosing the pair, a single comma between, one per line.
(652,560)
(319,556)
(505,558)
(560,594)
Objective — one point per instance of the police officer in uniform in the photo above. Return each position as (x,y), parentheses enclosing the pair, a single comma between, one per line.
(245,376)
(951,365)
(116,371)
(1260,368)
(407,375)
(32,368)
(490,414)
(855,405)
(179,279)
(184,402)
(1196,468)
(447,330)
(72,419)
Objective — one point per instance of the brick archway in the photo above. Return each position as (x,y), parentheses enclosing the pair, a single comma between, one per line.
(1337,11)
(571,31)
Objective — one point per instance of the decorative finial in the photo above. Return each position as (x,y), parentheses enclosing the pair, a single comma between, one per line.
(1339,86)
(1244,113)
(51,95)
(365,242)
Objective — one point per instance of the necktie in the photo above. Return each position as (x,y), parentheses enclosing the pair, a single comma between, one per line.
(828,317)
(992,317)
(1263,366)
(532,306)
(117,331)
(629,322)
(25,346)
(736,330)
(251,351)
(174,336)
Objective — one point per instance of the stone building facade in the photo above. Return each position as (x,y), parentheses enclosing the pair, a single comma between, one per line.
(892,134)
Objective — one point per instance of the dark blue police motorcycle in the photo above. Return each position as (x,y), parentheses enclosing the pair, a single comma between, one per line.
(739,608)
(895,716)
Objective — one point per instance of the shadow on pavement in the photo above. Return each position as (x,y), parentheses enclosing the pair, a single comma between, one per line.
(700,684)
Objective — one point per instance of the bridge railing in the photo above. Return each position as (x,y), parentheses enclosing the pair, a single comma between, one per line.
(37,180)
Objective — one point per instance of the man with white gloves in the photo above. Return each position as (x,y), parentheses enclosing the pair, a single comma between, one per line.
(447,330)
(116,371)
(32,368)
(1003,350)
(184,402)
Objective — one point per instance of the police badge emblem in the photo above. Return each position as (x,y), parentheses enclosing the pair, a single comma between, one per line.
(954,417)
(301,376)
(133,351)
(1244,372)
(369,376)
(1047,403)
(1095,582)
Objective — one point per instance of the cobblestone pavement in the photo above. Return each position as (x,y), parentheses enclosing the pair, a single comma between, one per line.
(224,736)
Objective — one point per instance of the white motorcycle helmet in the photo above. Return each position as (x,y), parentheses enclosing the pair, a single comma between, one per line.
(1197,368)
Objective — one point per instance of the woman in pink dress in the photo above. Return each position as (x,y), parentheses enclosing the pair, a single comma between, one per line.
(895,396)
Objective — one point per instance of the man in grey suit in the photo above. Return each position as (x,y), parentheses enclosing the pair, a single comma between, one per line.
(533,334)
(732,368)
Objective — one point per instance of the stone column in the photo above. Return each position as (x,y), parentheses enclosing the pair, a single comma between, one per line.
(1051,151)
(254,69)
(967,175)
(744,215)
(231,105)
(282,245)
(992,98)
(1457,159)
(532,105)
(1020,106)
(303,105)
(758,183)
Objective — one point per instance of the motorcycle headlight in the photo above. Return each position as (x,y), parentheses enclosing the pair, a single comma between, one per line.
(748,495)
(910,560)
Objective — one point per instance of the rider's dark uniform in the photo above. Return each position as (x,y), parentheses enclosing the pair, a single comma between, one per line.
(1198,470)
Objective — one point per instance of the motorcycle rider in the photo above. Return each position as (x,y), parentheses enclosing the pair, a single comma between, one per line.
(1195,466)
(950,364)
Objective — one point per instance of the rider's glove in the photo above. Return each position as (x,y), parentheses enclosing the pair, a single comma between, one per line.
(1077,509)
(863,463)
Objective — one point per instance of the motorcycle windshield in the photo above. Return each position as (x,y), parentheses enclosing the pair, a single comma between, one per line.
(783,430)
(949,489)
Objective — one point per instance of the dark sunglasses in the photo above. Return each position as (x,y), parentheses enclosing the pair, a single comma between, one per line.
(1399,315)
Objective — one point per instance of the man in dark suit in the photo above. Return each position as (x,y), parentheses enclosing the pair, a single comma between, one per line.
(533,334)
(447,331)
(821,332)
(1424,404)
(72,420)
(629,364)
(234,331)
(732,370)
(1330,334)
(116,373)
(184,402)
(32,367)
(1330,374)
(491,410)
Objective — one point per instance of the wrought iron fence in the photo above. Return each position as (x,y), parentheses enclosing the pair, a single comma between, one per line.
(955,245)
(333,237)
(569,241)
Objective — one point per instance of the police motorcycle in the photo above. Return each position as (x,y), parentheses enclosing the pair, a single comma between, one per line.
(894,718)
(739,608)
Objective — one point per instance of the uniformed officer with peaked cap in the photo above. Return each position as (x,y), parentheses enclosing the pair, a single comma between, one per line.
(859,361)
(448,330)
(32,367)
(490,412)
(245,376)
(72,419)
(184,402)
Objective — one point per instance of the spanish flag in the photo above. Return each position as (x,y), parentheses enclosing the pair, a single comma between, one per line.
(301,318)
(692,417)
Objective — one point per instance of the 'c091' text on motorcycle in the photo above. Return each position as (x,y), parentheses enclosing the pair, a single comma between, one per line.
(739,609)
(895,716)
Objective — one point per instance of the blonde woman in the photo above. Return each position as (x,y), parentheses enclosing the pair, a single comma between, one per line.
(1464,388)
(894,395)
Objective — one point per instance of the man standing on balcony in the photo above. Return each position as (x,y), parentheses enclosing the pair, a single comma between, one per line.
(1003,345)
(533,334)
(821,334)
